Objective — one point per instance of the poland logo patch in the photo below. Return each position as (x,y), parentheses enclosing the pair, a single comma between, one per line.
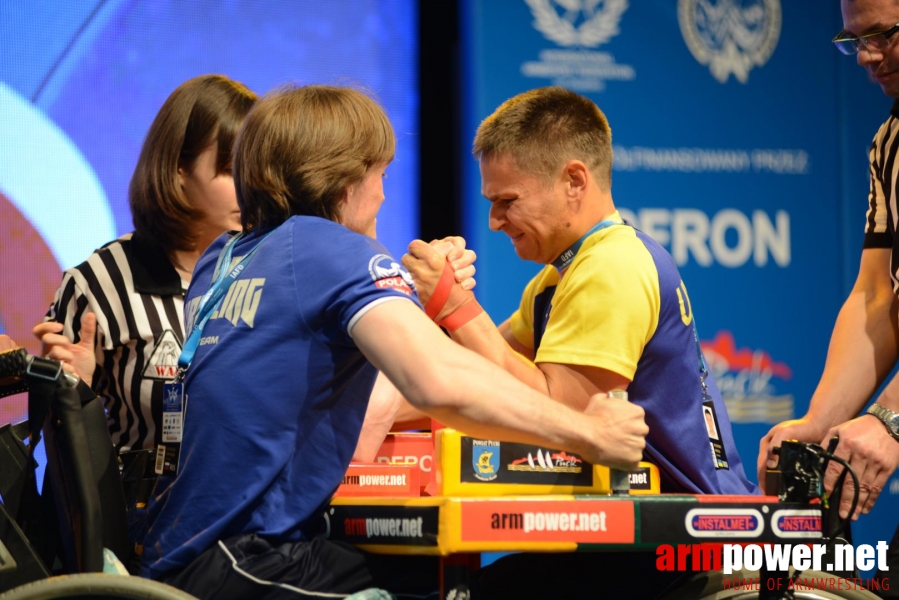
(389,274)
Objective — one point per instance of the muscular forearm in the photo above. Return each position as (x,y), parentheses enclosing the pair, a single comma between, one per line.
(481,336)
(514,412)
(889,398)
(464,391)
(863,349)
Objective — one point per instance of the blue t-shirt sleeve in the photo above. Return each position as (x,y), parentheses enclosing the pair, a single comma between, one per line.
(350,272)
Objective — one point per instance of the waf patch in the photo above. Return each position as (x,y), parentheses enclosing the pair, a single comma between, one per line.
(163,363)
(389,274)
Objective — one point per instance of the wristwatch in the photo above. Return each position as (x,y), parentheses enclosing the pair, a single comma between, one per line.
(888,417)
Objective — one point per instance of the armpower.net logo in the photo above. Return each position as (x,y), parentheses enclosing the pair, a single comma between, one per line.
(731,559)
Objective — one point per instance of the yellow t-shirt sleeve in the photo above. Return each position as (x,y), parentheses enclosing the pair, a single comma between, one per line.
(522,320)
(606,307)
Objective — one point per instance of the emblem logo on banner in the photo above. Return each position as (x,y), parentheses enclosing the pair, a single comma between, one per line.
(579,25)
(595,24)
(746,379)
(730,37)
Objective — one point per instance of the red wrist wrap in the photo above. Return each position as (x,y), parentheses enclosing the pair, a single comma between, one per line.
(461,316)
(441,293)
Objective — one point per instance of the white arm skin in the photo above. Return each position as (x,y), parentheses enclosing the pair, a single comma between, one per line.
(408,413)
(386,410)
(460,259)
(863,349)
(386,405)
(573,385)
(464,391)
(383,406)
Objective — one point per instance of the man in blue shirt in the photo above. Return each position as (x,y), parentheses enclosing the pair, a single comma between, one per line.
(276,393)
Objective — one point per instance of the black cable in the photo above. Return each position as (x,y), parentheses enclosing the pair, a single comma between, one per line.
(846,469)
(828,456)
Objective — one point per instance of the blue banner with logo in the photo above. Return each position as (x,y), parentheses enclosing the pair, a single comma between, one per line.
(740,138)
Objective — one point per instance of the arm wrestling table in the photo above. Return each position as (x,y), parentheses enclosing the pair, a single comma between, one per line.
(537,507)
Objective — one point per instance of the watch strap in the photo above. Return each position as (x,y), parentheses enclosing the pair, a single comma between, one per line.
(889,418)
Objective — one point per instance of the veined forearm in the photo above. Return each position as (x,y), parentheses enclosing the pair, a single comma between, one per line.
(863,349)
(481,336)
(513,413)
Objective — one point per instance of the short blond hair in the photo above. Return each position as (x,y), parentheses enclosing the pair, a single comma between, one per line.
(301,148)
(542,129)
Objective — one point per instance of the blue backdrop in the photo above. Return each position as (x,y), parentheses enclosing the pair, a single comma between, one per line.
(740,137)
(80,82)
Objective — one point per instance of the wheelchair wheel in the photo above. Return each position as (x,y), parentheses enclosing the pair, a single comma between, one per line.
(714,585)
(95,585)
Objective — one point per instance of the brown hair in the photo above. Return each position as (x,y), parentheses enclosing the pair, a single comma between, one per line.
(301,148)
(543,128)
(201,111)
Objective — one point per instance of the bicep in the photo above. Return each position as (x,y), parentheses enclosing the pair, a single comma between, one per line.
(573,385)
(383,405)
(505,329)
(872,296)
(398,339)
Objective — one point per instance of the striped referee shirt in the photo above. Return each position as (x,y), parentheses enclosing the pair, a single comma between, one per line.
(138,298)
(880,228)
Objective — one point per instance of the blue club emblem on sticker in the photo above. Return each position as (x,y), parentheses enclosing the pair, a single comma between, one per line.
(172,396)
(485,459)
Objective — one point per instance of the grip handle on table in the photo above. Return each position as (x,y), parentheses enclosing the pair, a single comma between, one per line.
(619,480)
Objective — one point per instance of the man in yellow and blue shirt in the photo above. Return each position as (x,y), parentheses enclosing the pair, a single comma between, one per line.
(608,311)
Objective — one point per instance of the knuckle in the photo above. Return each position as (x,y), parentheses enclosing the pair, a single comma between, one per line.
(834,469)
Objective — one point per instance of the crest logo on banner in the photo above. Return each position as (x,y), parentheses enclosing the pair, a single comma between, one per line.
(577,22)
(577,25)
(747,381)
(730,36)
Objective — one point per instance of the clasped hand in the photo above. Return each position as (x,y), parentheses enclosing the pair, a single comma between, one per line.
(426,263)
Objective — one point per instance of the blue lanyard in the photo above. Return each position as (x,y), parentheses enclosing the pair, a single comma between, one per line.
(566,258)
(214,295)
(703,366)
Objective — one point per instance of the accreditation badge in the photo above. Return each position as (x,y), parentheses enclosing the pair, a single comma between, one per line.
(168,452)
(716,442)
